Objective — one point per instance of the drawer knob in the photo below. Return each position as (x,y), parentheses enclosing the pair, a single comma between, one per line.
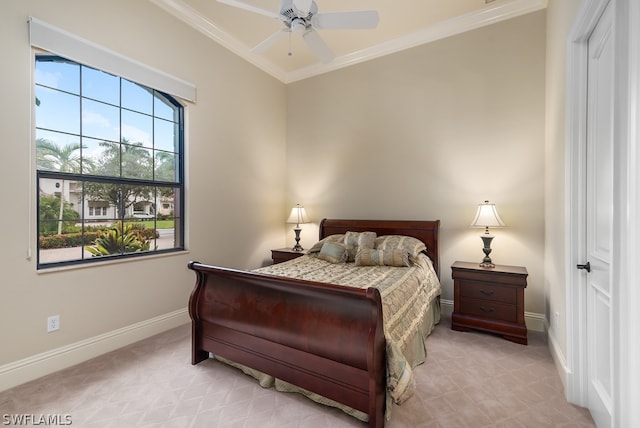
(488,310)
(487,292)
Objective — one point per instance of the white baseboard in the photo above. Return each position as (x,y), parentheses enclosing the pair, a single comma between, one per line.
(559,359)
(446,307)
(30,368)
(534,321)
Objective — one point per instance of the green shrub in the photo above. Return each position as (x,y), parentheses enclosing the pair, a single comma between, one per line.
(120,239)
(49,216)
(66,240)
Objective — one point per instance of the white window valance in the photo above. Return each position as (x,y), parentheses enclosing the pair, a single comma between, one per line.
(70,46)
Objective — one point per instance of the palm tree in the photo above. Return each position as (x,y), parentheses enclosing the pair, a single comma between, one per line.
(52,157)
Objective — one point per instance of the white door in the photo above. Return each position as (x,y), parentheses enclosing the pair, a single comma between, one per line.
(599,220)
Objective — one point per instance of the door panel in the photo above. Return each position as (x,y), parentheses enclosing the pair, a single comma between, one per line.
(599,215)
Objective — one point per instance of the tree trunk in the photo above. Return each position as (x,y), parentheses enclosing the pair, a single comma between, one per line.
(61,212)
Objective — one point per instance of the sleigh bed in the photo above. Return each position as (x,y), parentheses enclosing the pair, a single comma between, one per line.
(325,340)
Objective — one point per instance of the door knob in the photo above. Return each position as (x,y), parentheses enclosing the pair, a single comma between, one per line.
(586,266)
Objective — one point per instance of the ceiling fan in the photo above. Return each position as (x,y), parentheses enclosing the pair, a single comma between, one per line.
(302,17)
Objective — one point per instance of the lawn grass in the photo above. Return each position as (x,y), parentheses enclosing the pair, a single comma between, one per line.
(160,224)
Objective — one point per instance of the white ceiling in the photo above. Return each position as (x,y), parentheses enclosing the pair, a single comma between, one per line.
(403,24)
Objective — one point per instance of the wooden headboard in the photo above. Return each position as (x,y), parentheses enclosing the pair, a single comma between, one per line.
(426,231)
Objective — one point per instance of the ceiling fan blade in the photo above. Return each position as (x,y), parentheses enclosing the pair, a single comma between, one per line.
(270,41)
(302,7)
(250,8)
(318,46)
(365,19)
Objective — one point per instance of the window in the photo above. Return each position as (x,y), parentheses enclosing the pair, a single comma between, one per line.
(109,160)
(97,208)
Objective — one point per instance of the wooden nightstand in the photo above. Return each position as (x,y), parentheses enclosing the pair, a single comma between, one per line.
(283,254)
(490,299)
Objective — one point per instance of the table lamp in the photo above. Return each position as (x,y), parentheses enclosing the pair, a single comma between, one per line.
(298,216)
(487,216)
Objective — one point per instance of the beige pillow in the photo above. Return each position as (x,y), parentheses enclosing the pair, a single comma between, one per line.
(358,240)
(371,257)
(411,245)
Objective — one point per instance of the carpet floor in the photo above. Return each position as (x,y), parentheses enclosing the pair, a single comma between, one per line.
(469,380)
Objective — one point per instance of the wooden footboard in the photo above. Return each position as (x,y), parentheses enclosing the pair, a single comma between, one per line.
(325,338)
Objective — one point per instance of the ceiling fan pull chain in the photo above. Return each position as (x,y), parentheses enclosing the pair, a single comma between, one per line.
(290,54)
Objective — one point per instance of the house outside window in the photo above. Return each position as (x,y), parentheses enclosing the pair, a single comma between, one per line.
(97,210)
(109,160)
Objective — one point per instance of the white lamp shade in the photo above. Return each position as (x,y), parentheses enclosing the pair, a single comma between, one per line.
(298,215)
(487,216)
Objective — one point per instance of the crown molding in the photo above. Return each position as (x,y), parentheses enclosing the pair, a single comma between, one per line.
(194,19)
(488,15)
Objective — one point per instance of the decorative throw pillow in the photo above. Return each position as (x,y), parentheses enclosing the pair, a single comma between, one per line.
(333,252)
(331,238)
(371,257)
(357,240)
(411,245)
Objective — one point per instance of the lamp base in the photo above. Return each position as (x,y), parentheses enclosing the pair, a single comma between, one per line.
(297,247)
(486,262)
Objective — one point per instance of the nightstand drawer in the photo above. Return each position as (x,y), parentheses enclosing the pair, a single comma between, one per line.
(488,309)
(482,290)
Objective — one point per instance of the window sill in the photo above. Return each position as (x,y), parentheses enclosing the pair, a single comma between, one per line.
(45,270)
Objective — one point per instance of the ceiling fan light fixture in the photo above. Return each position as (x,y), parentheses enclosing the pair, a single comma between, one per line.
(298,26)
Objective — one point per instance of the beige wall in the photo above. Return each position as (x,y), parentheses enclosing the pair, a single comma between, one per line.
(235,175)
(428,133)
(560,16)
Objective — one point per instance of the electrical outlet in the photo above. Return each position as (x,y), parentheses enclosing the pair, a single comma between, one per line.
(53,323)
